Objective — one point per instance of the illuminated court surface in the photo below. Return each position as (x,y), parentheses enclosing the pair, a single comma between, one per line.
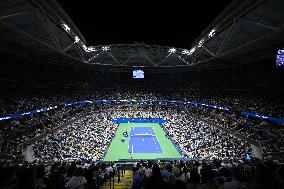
(140,141)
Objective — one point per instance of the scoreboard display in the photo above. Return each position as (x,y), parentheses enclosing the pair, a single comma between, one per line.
(138,74)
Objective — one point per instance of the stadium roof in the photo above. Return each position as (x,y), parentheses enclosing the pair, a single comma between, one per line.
(41,30)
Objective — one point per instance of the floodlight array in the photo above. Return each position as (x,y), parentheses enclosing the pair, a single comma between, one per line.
(78,40)
(172,50)
(185,51)
(199,45)
(192,50)
(105,48)
(212,33)
(203,40)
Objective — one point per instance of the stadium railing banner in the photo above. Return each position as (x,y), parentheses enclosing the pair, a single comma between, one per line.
(80,102)
(27,113)
(13,116)
(211,106)
(263,117)
(44,109)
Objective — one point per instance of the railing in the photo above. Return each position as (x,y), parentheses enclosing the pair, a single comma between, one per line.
(129,102)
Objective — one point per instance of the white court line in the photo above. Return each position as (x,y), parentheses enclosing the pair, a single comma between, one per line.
(154,139)
(129,139)
(160,144)
(132,149)
(128,146)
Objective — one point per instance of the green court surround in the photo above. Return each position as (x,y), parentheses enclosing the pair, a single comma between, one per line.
(118,150)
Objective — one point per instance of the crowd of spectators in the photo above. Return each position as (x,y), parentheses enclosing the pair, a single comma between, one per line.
(267,133)
(66,175)
(201,140)
(17,132)
(266,104)
(89,137)
(215,174)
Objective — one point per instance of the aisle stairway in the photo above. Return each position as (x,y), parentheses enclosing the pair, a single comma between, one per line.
(124,183)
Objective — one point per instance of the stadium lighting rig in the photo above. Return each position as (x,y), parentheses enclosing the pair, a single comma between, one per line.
(212,33)
(89,49)
(105,48)
(201,42)
(66,27)
(77,39)
(172,50)
(192,50)
(185,51)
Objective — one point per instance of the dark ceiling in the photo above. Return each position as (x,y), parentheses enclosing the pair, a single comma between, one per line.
(168,23)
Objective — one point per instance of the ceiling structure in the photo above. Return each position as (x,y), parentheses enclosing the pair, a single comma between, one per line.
(171,24)
(41,30)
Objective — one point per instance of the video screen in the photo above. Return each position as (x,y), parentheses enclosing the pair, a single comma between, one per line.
(280,58)
(138,74)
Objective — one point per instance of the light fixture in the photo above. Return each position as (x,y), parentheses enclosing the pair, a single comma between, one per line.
(105,48)
(66,27)
(85,47)
(192,50)
(91,49)
(212,33)
(201,43)
(172,50)
(77,39)
(185,51)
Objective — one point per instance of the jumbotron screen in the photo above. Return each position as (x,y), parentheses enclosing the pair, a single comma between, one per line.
(280,58)
(138,74)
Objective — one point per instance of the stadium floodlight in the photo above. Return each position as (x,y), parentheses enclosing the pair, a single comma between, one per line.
(212,33)
(77,39)
(105,48)
(85,47)
(201,43)
(91,49)
(172,50)
(185,51)
(66,27)
(192,50)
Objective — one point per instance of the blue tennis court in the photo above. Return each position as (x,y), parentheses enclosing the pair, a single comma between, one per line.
(143,140)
